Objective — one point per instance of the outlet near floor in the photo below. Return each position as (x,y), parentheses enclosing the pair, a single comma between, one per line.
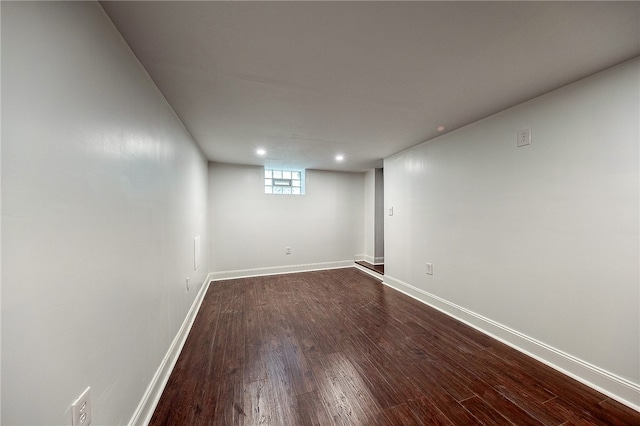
(81,409)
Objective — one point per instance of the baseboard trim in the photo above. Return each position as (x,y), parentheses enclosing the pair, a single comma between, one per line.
(370,259)
(368,271)
(615,387)
(144,411)
(277,270)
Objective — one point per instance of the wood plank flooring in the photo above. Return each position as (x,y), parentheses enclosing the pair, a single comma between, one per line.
(338,348)
(376,268)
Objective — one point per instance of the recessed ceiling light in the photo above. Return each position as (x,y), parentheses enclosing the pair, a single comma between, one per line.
(339,157)
(261,151)
(440,128)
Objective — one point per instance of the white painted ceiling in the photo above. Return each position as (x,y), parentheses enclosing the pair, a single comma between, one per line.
(308,80)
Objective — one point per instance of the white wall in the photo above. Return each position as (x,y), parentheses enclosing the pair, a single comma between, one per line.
(379,217)
(370,215)
(541,239)
(374,216)
(250,229)
(103,191)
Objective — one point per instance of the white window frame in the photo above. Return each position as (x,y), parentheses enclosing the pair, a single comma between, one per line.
(283,182)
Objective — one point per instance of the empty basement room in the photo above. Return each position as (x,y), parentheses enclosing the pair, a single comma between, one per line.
(187,187)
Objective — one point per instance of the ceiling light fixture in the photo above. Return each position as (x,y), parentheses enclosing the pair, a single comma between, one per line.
(339,157)
(261,151)
(440,128)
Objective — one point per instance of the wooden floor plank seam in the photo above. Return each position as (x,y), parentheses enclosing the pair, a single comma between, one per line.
(336,347)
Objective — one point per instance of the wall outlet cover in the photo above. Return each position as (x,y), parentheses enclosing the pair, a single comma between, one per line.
(429,268)
(81,409)
(524,137)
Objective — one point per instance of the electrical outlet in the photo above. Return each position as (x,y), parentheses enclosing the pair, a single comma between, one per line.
(390,211)
(429,268)
(187,283)
(287,250)
(81,409)
(524,137)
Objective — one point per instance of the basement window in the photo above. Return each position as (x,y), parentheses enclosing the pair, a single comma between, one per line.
(284,182)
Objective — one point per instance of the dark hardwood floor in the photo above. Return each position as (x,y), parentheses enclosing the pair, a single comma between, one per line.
(376,268)
(339,348)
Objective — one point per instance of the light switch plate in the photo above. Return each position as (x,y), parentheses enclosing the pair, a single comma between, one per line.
(196,253)
(429,268)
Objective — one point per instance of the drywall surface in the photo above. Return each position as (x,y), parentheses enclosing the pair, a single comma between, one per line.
(542,239)
(251,229)
(374,216)
(103,192)
(370,215)
(379,216)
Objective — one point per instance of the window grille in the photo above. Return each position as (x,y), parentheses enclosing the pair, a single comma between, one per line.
(289,182)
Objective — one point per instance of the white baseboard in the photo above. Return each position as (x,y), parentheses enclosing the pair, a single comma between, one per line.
(618,388)
(144,411)
(370,259)
(276,270)
(368,271)
(360,257)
